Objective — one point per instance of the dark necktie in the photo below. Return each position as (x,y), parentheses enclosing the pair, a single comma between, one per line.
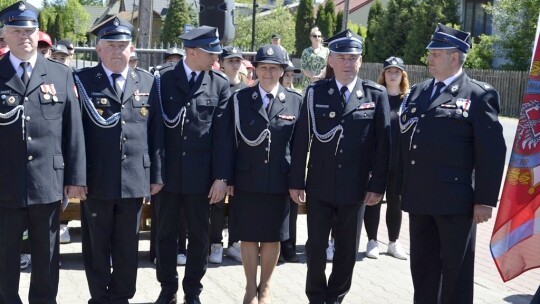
(116,85)
(269,105)
(438,90)
(24,76)
(343,91)
(192,80)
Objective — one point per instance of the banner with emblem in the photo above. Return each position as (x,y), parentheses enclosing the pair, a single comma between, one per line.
(515,241)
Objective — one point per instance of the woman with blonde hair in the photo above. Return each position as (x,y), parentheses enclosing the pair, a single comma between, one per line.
(395,79)
(314,58)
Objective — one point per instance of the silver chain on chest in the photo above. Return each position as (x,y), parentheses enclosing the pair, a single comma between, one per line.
(95,117)
(327,137)
(14,112)
(253,143)
(170,123)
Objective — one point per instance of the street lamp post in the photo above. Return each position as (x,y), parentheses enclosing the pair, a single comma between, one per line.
(255,5)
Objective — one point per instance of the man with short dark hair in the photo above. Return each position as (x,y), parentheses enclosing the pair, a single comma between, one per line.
(198,159)
(453,157)
(42,159)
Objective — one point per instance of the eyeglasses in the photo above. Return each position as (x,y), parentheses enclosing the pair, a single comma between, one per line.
(316,36)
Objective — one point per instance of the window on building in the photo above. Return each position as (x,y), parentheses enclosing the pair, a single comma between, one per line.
(475,19)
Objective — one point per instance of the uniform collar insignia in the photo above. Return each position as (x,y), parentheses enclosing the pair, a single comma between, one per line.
(331,91)
(454,88)
(269,52)
(281,96)
(254,95)
(98,75)
(486,86)
(133,75)
(22,7)
(359,93)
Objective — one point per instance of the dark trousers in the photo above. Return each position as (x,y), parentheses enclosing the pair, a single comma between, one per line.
(111,230)
(393,213)
(442,258)
(320,215)
(197,210)
(218,220)
(42,222)
(288,229)
(182,228)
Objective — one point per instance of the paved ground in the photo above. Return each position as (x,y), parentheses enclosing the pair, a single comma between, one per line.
(386,280)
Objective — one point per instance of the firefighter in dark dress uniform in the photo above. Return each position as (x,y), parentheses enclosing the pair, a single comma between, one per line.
(42,156)
(198,160)
(124,140)
(347,120)
(453,155)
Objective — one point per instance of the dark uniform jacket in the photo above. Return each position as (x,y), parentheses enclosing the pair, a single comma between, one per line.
(361,160)
(125,159)
(51,154)
(456,135)
(199,149)
(257,168)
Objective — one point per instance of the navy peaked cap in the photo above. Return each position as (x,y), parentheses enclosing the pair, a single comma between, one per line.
(449,38)
(345,42)
(270,53)
(114,29)
(203,37)
(20,14)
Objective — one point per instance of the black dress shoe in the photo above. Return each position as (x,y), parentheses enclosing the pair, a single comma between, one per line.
(288,253)
(191,300)
(166,299)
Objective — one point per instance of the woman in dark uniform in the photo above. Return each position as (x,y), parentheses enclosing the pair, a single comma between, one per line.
(264,123)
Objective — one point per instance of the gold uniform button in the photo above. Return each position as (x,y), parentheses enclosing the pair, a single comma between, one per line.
(413,162)
(185,137)
(339,166)
(414,146)
(423,115)
(418,131)
(266,161)
(183,153)
(27,118)
(123,122)
(123,106)
(188,104)
(26,99)
(30,157)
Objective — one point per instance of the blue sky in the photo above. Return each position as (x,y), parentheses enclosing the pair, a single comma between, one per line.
(36,3)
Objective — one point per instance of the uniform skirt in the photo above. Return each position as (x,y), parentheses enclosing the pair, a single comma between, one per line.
(258,217)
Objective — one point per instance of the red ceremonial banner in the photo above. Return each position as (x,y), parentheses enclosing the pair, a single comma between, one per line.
(515,242)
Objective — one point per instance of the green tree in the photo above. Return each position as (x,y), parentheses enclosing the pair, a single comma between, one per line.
(280,18)
(6,3)
(330,12)
(427,13)
(194,14)
(173,26)
(74,19)
(58,28)
(516,23)
(393,29)
(304,23)
(374,24)
(482,53)
(325,22)
(339,22)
